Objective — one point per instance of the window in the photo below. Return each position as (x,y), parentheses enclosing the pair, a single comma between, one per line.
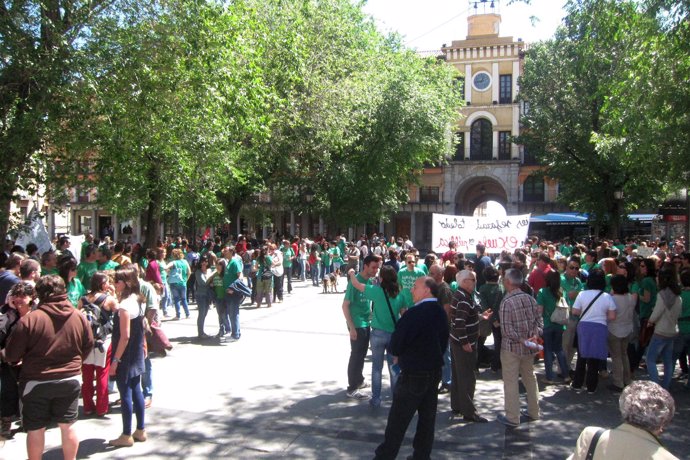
(528,157)
(533,189)
(460,148)
(505,89)
(504,145)
(481,144)
(429,194)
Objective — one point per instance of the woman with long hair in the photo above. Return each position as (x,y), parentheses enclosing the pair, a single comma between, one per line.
(664,318)
(215,282)
(97,363)
(548,298)
(388,304)
(594,308)
(67,269)
(128,355)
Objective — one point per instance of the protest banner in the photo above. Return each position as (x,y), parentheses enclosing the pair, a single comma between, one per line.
(496,233)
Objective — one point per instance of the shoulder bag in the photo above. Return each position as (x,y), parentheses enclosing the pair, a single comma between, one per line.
(578,319)
(561,313)
(390,309)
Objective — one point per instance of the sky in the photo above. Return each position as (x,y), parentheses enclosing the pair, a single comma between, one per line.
(427,24)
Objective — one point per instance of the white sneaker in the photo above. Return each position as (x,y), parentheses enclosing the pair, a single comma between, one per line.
(356,394)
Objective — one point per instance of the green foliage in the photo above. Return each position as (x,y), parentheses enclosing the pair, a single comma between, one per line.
(584,122)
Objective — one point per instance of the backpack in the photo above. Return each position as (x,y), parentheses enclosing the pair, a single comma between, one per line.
(100,320)
(246,258)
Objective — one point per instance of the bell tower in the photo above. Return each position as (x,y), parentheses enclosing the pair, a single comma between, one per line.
(484,20)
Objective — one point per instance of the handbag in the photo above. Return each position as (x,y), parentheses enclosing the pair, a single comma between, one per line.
(561,313)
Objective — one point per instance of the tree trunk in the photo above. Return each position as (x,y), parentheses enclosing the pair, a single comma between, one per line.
(5,206)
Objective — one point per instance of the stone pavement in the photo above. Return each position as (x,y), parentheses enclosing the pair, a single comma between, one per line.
(279,392)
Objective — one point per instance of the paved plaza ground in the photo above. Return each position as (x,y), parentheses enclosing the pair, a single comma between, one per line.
(279,392)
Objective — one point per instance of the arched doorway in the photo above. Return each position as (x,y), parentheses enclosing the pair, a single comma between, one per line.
(481,140)
(476,191)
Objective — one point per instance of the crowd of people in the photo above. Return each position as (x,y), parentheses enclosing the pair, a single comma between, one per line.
(596,302)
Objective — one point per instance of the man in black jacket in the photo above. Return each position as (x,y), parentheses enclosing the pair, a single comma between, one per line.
(419,340)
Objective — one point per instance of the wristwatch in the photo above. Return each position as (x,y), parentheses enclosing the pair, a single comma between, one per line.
(117,360)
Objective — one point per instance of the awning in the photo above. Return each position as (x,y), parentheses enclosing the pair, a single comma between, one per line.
(648,218)
(563,218)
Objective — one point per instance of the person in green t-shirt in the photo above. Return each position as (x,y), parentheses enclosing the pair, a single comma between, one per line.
(103,257)
(326,259)
(648,288)
(357,311)
(409,273)
(49,263)
(88,265)
(388,305)
(547,298)
(288,255)
(571,285)
(68,272)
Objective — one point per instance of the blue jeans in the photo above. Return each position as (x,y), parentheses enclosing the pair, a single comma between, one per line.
(302,269)
(379,342)
(131,398)
(446,372)
(661,346)
(179,295)
(165,299)
(553,343)
(146,379)
(202,302)
(315,274)
(233,313)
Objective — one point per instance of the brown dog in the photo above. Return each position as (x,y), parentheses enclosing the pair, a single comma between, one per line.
(330,283)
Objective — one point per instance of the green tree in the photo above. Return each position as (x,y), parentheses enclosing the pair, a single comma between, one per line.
(572,87)
(37,45)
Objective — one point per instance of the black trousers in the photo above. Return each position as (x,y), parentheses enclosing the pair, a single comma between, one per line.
(587,371)
(358,351)
(416,392)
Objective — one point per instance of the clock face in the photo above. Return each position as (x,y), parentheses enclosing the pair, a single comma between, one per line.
(481,81)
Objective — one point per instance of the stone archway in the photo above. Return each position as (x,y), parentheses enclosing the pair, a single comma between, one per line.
(476,191)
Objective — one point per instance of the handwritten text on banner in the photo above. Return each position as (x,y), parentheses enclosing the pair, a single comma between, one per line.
(496,233)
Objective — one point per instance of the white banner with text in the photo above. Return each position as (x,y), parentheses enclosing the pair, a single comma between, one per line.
(496,233)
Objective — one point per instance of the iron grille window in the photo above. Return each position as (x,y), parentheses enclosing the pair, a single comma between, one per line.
(429,194)
(481,143)
(504,145)
(505,89)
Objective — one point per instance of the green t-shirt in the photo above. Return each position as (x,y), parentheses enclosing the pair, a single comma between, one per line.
(360,306)
(75,291)
(568,286)
(336,255)
(149,294)
(109,265)
(607,289)
(453,286)
(218,288)
(232,271)
(326,258)
(179,272)
(49,271)
(422,266)
(85,272)
(82,253)
(684,324)
(406,278)
(587,267)
(566,250)
(288,254)
(381,318)
(546,299)
(647,284)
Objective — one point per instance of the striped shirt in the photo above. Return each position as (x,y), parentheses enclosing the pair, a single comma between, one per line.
(520,320)
(464,319)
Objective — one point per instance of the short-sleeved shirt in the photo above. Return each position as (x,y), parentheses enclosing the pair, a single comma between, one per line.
(406,278)
(75,291)
(647,284)
(232,271)
(360,306)
(85,272)
(569,285)
(599,309)
(109,265)
(382,319)
(546,299)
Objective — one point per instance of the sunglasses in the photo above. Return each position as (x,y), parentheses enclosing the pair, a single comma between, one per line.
(573,268)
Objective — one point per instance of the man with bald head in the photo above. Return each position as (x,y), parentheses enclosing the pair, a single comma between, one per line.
(418,342)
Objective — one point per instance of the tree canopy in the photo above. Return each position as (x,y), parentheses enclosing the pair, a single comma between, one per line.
(191,107)
(600,108)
